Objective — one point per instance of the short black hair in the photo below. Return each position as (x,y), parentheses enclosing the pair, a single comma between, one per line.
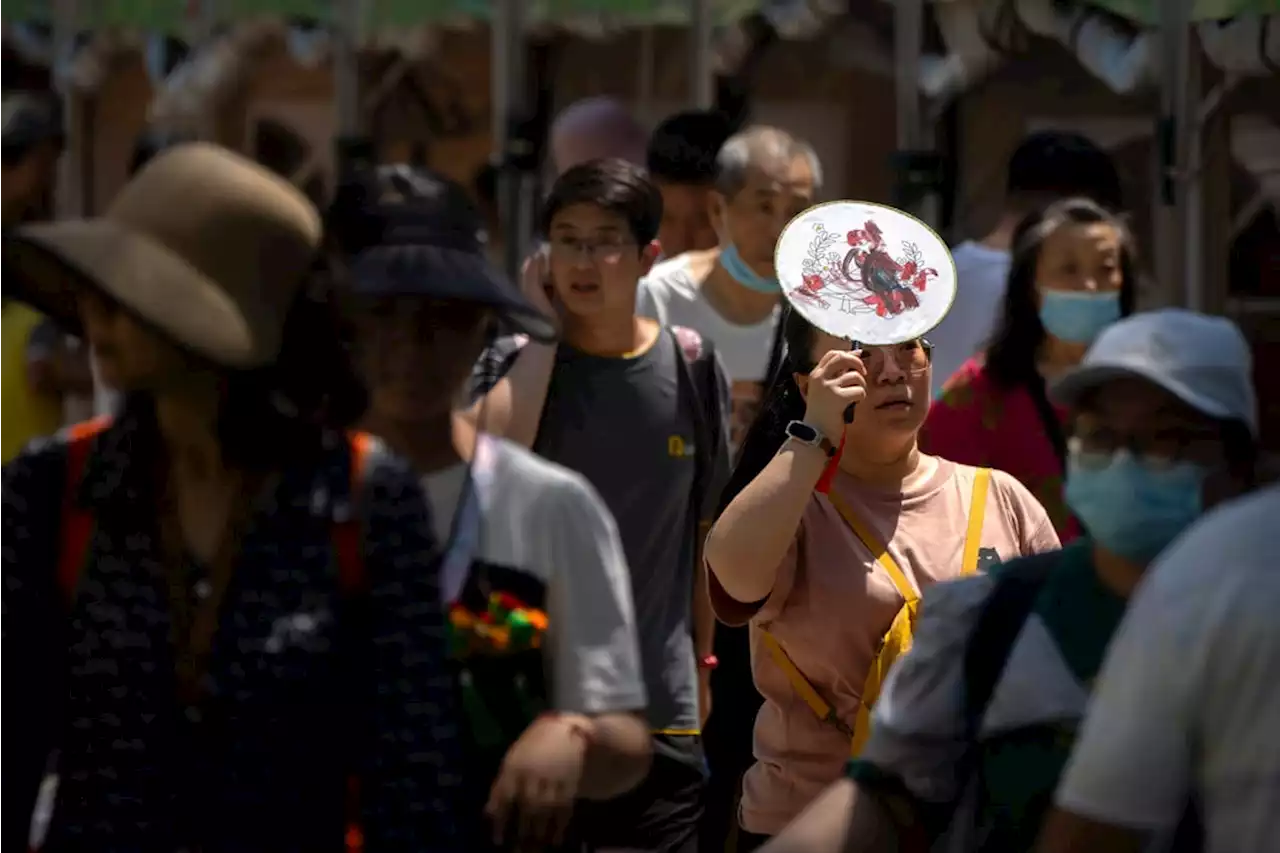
(31,119)
(615,185)
(1054,164)
(154,141)
(683,148)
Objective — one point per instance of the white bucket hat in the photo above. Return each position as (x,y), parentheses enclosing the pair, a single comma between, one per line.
(1203,361)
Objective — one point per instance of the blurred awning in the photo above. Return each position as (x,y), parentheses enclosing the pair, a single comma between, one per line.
(1146,13)
(167,30)
(175,17)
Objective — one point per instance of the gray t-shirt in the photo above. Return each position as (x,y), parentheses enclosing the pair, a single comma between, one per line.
(625,425)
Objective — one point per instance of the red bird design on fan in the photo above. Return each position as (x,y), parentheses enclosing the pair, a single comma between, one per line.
(891,283)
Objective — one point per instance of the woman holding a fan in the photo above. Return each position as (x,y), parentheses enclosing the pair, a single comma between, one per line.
(832,527)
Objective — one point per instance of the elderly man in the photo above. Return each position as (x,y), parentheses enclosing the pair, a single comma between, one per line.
(763,177)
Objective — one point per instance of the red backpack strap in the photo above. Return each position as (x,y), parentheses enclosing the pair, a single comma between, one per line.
(77,521)
(346,534)
(346,547)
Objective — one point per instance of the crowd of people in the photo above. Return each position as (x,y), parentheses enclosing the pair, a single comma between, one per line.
(371,548)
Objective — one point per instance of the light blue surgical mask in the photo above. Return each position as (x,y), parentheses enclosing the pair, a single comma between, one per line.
(1130,507)
(1078,316)
(745,275)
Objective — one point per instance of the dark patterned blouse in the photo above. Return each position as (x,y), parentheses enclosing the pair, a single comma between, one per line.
(305,686)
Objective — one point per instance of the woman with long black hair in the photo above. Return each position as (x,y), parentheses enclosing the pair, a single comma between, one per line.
(829,533)
(1073,274)
(227,607)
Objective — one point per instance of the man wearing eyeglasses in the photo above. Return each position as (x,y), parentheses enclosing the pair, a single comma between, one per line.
(641,411)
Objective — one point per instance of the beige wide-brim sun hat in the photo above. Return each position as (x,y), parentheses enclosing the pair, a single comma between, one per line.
(203,244)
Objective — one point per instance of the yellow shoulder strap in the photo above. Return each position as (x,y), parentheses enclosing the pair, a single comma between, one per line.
(898,639)
(977,513)
(878,550)
(801,685)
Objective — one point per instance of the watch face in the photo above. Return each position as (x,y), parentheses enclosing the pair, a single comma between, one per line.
(801,431)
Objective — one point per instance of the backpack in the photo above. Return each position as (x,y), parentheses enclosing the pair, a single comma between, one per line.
(77,525)
(897,640)
(697,381)
(987,652)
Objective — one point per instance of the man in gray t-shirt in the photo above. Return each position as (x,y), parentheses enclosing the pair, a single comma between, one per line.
(641,412)
(625,426)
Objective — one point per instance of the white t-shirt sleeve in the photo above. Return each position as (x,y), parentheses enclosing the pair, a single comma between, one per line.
(595,653)
(1132,762)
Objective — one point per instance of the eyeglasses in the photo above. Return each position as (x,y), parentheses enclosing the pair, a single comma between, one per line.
(912,358)
(1094,448)
(603,252)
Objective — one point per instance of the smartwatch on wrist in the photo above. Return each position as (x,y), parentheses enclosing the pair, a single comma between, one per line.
(804,433)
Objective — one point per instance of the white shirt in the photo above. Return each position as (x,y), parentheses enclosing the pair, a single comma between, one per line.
(1188,701)
(980,281)
(547,521)
(672,295)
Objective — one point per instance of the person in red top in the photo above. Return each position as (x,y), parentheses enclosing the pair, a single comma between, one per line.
(1073,274)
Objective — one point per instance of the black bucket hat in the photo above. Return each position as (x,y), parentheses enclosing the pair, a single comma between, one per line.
(409,231)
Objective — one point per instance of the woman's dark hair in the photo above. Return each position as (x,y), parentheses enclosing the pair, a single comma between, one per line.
(783,404)
(312,389)
(287,411)
(614,185)
(1011,354)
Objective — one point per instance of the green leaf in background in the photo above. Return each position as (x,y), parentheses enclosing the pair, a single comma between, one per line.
(233,10)
(165,16)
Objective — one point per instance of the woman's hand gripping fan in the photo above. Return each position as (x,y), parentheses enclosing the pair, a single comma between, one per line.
(837,382)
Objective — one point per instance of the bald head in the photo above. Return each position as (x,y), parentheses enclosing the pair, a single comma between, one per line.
(595,128)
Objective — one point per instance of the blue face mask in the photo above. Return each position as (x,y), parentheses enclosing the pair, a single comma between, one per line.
(1076,316)
(744,275)
(1130,509)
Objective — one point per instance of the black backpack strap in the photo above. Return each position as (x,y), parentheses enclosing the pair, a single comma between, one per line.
(1049,419)
(986,652)
(994,634)
(697,381)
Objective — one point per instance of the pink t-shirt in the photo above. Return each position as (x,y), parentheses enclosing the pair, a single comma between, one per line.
(974,421)
(832,604)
